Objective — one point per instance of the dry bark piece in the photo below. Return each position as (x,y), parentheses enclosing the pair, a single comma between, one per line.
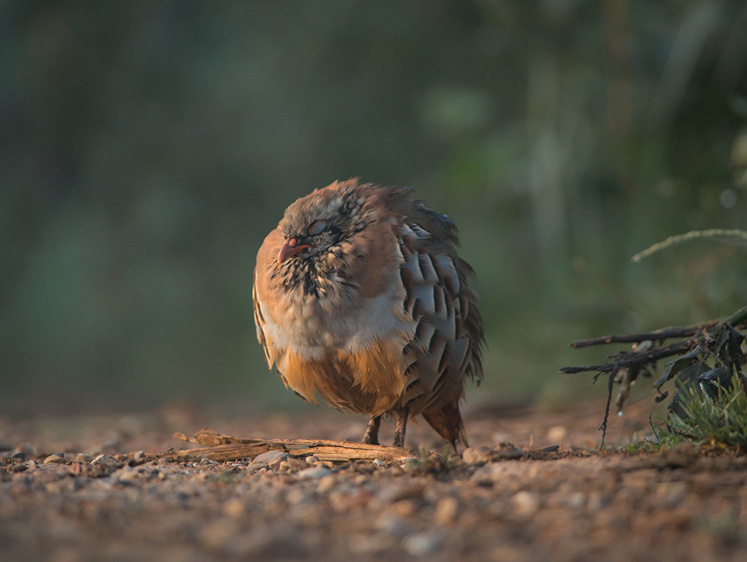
(219,447)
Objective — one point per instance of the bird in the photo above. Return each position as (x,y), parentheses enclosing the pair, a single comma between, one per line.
(361,300)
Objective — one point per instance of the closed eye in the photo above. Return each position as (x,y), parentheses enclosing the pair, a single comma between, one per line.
(318,227)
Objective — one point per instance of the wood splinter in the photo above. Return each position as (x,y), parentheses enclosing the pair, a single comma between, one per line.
(218,447)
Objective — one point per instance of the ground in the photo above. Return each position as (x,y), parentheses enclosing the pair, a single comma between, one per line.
(550,496)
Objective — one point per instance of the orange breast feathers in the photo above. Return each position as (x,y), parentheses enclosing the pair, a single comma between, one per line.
(368,381)
(349,353)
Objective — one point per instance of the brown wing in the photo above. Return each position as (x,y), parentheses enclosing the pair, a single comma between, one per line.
(266,258)
(259,322)
(447,341)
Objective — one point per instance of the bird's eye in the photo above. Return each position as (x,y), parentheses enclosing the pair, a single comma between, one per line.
(318,227)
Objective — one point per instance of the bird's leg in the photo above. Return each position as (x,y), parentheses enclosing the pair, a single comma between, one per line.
(371,436)
(399,432)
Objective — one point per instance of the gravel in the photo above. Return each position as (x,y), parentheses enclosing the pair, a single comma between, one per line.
(61,503)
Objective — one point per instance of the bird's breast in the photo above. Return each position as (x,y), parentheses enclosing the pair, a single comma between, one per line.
(311,325)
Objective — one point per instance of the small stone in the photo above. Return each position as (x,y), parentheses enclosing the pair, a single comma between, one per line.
(525,503)
(234,507)
(556,433)
(575,500)
(420,544)
(297,464)
(83,458)
(54,458)
(314,472)
(27,449)
(476,455)
(406,508)
(217,533)
(139,455)
(127,475)
(396,492)
(271,457)
(446,511)
(102,459)
(311,459)
(20,455)
(511,453)
(297,496)
(392,525)
(326,484)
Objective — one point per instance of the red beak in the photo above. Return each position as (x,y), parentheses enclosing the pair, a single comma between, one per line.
(290,249)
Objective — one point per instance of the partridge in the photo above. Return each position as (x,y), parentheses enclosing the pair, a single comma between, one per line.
(360,299)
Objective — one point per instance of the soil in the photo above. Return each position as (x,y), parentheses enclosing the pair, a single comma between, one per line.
(533,486)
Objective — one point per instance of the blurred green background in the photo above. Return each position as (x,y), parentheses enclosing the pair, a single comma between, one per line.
(148,147)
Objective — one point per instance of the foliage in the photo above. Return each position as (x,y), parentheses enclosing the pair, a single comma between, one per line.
(714,414)
(710,357)
(430,463)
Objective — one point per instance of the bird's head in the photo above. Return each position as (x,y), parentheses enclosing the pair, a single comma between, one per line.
(319,221)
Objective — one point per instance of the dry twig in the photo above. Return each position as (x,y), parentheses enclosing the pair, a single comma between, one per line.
(707,338)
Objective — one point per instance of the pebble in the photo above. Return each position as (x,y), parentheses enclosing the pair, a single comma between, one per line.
(392,525)
(128,474)
(234,507)
(326,483)
(397,492)
(54,458)
(446,511)
(83,458)
(297,496)
(574,500)
(296,464)
(406,508)
(556,433)
(511,453)
(27,449)
(421,544)
(271,457)
(525,503)
(105,460)
(314,472)
(476,455)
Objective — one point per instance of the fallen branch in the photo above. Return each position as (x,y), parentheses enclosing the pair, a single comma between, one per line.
(221,448)
(631,359)
(716,340)
(657,335)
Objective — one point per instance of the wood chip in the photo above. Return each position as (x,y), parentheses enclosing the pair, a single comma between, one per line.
(218,447)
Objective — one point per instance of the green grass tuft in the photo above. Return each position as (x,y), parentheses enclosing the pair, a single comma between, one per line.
(718,420)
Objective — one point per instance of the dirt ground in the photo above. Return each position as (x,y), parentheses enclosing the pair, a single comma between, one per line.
(498,502)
